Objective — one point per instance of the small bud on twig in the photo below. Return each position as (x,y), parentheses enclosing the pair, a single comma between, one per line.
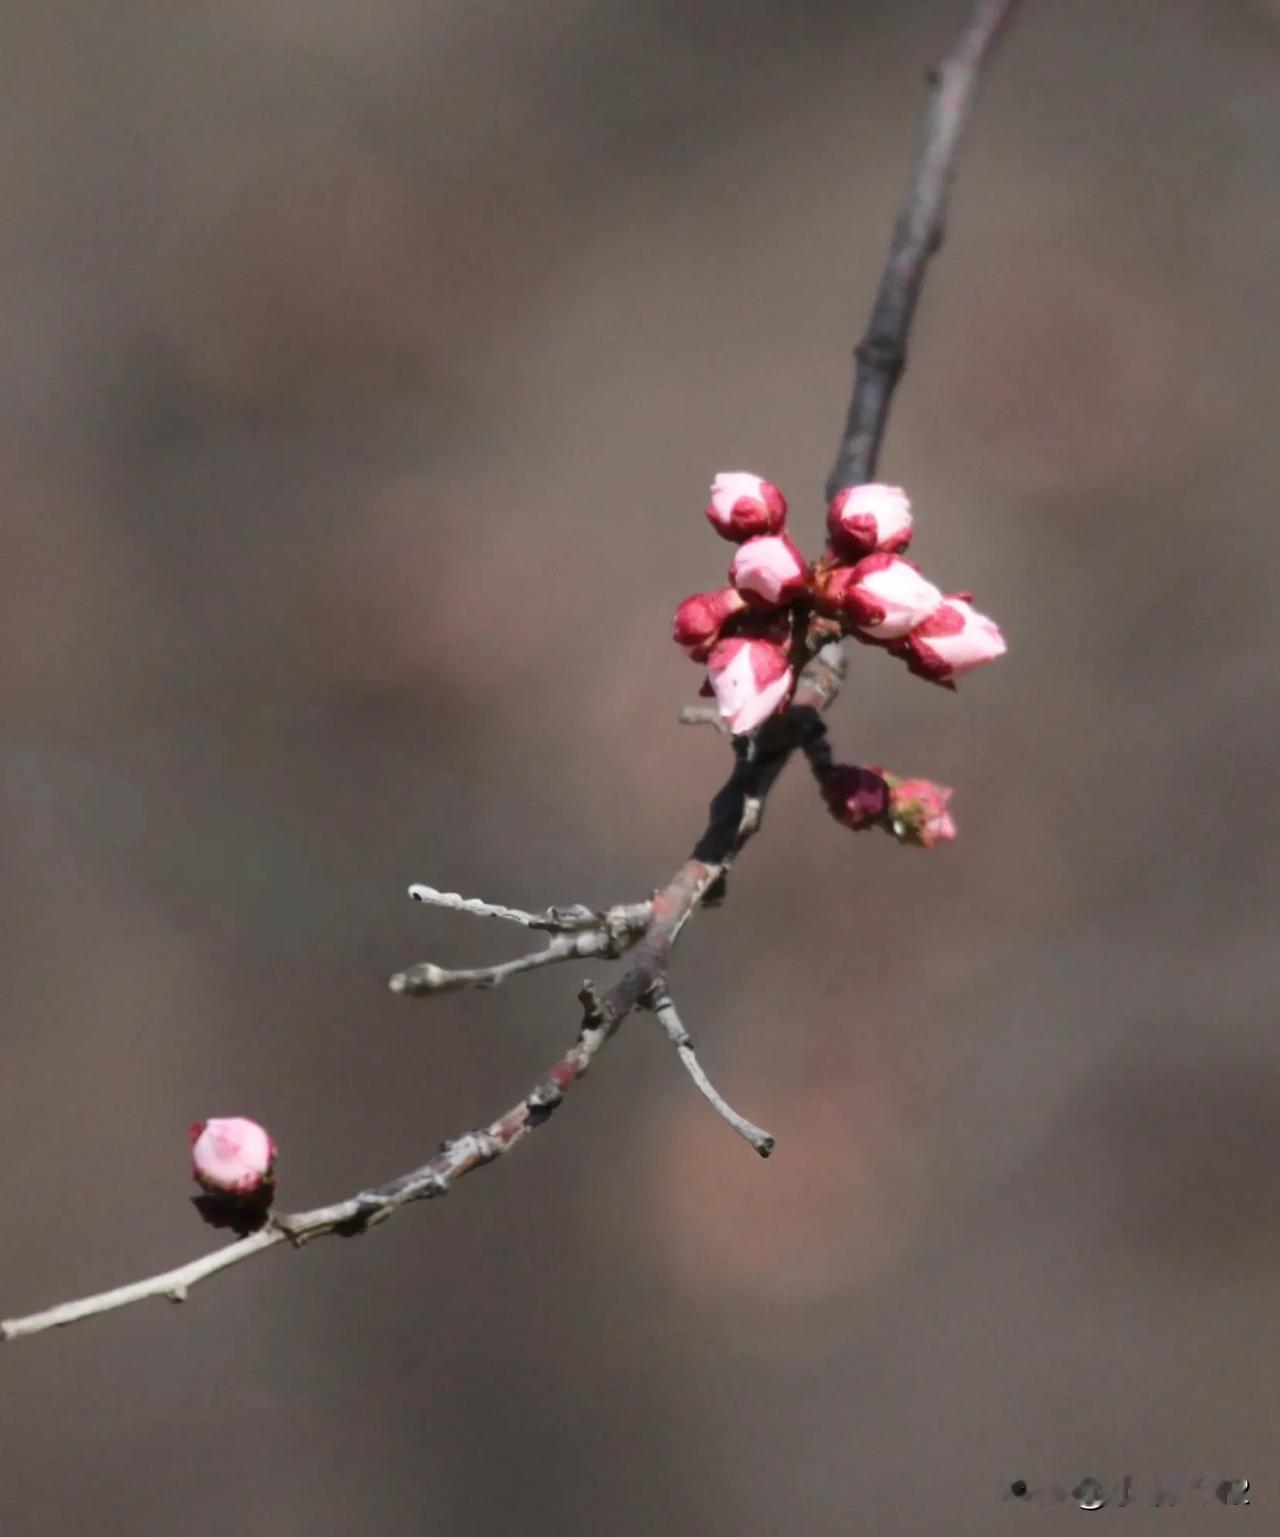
(743,506)
(864,519)
(952,641)
(885,597)
(700,619)
(232,1157)
(918,812)
(857,797)
(751,680)
(770,571)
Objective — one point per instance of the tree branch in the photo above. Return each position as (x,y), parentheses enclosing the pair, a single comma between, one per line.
(881,355)
(649,930)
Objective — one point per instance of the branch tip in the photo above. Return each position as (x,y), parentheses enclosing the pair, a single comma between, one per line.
(658,1001)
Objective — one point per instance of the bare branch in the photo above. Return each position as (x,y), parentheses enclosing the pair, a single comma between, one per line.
(881,355)
(659,1000)
(555,920)
(474,906)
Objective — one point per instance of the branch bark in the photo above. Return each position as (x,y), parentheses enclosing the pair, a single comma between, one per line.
(881,355)
(650,930)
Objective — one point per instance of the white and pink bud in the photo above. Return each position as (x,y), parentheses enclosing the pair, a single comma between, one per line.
(700,619)
(864,519)
(770,571)
(743,506)
(886,597)
(751,680)
(918,812)
(953,640)
(232,1156)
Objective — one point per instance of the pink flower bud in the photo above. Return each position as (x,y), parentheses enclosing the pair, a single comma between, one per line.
(743,506)
(864,519)
(858,797)
(886,597)
(750,678)
(700,619)
(770,569)
(232,1156)
(953,640)
(918,812)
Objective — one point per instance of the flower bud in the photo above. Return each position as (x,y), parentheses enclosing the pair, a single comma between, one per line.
(769,570)
(886,597)
(857,797)
(743,506)
(918,812)
(232,1156)
(700,619)
(953,640)
(863,519)
(751,680)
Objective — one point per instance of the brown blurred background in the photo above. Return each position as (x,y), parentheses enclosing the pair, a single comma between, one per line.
(365,363)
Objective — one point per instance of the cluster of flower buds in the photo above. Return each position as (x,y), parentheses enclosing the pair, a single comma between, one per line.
(777,609)
(913,810)
(233,1159)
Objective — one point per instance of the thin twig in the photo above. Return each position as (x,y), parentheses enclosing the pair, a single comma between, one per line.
(881,355)
(473,905)
(554,920)
(579,934)
(424,978)
(659,1001)
(735,811)
(702,715)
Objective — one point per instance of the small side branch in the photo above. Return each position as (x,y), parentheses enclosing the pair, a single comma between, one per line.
(456,903)
(424,978)
(579,934)
(659,1001)
(554,920)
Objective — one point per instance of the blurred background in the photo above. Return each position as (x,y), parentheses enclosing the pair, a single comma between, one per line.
(365,365)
